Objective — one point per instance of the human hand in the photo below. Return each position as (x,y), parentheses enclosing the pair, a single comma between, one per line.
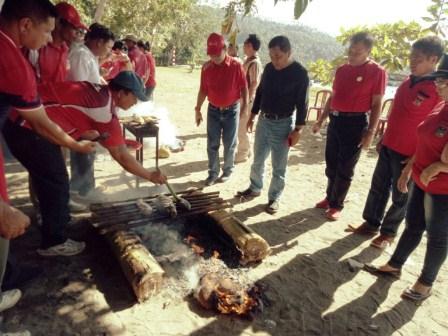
(316,127)
(366,140)
(250,125)
(430,173)
(13,222)
(293,138)
(157,177)
(198,115)
(84,146)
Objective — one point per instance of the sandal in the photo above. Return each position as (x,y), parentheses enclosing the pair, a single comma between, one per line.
(396,274)
(416,297)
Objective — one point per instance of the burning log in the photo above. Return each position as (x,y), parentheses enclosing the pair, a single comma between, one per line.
(252,246)
(141,269)
(225,296)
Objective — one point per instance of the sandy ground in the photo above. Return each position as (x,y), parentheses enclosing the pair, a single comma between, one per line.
(310,288)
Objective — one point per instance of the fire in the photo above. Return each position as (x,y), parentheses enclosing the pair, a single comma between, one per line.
(240,304)
(191,240)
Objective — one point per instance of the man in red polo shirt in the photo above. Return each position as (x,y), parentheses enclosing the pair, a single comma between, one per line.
(27,23)
(141,66)
(223,82)
(51,61)
(145,48)
(413,101)
(87,110)
(358,88)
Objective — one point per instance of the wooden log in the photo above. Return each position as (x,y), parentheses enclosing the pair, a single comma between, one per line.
(252,246)
(141,269)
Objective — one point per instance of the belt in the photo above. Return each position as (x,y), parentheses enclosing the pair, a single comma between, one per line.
(274,116)
(224,107)
(348,114)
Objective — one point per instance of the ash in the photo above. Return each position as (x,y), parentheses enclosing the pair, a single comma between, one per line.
(183,267)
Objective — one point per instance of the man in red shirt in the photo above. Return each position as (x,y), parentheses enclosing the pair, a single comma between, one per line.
(413,101)
(358,88)
(223,82)
(138,59)
(51,61)
(84,109)
(145,48)
(27,23)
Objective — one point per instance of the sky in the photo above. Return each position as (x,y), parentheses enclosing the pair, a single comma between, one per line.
(329,15)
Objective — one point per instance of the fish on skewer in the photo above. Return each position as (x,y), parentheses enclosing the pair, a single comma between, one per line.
(144,207)
(165,205)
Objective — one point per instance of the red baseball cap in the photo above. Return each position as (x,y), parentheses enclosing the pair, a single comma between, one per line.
(70,14)
(215,44)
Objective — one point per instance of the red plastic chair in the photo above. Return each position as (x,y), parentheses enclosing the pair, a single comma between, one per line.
(386,108)
(319,103)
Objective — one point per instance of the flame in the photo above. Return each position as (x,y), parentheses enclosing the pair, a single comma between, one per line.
(197,249)
(237,304)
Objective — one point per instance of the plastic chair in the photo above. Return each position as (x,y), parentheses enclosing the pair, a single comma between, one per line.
(319,103)
(386,108)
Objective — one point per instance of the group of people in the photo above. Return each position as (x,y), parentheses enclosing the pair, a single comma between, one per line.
(52,94)
(415,143)
(61,88)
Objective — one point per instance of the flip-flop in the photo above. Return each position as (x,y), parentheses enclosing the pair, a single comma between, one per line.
(416,297)
(396,274)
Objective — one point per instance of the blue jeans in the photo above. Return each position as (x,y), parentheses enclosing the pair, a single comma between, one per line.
(387,172)
(222,123)
(425,212)
(271,137)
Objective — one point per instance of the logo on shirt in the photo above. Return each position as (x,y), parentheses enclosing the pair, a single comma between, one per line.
(359,79)
(441,131)
(421,96)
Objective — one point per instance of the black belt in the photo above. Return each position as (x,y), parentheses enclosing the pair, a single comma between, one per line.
(347,114)
(223,108)
(275,116)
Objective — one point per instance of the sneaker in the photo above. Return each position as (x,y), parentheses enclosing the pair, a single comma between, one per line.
(224,178)
(76,207)
(66,249)
(211,180)
(248,193)
(9,299)
(333,214)
(272,207)
(324,204)
(382,242)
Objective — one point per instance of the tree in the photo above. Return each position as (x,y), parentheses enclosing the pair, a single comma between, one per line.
(299,6)
(437,17)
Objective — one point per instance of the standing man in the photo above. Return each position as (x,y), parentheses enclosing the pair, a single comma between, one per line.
(358,89)
(282,91)
(145,48)
(137,57)
(253,68)
(28,24)
(223,82)
(413,101)
(84,66)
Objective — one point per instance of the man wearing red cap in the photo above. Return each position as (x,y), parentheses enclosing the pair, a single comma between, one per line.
(223,82)
(51,62)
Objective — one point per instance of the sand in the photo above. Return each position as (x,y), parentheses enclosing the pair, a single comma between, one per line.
(310,289)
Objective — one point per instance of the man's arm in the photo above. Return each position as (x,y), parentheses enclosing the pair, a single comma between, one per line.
(325,113)
(301,107)
(48,129)
(130,164)
(244,102)
(199,101)
(375,111)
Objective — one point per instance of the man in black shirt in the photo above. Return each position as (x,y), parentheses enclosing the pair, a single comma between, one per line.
(283,89)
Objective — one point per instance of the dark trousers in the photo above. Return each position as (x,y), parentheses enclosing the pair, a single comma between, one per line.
(82,172)
(149,91)
(424,212)
(387,172)
(46,166)
(341,155)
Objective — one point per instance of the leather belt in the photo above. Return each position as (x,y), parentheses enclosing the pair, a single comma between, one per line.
(275,116)
(348,114)
(224,107)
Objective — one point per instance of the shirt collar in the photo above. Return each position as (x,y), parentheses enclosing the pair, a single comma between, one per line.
(9,39)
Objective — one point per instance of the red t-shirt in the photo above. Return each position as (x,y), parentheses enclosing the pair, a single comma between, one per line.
(139,60)
(17,89)
(78,107)
(432,137)
(411,106)
(222,83)
(151,82)
(354,86)
(52,63)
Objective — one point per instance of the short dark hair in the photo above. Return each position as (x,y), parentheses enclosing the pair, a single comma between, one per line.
(37,10)
(282,42)
(430,46)
(99,32)
(145,45)
(363,37)
(254,41)
(119,45)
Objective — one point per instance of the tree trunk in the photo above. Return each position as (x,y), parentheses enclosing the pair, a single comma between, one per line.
(99,10)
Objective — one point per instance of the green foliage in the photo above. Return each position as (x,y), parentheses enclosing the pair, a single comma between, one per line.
(437,17)
(249,5)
